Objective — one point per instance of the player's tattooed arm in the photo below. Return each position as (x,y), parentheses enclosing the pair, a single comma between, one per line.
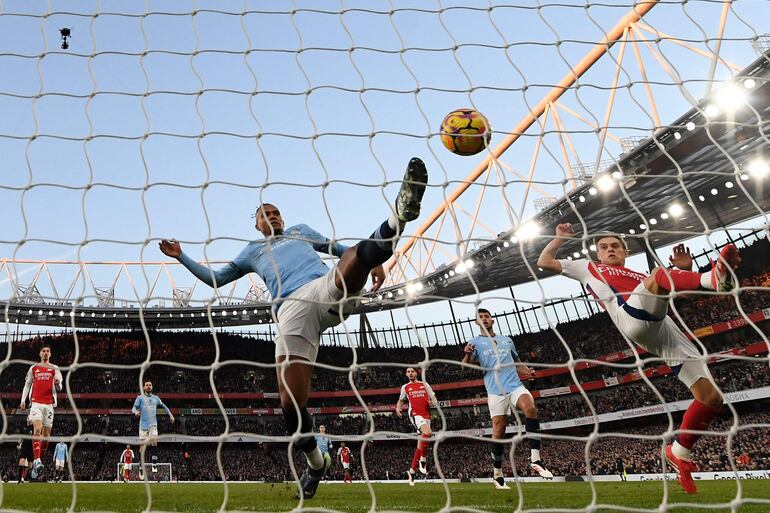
(548,260)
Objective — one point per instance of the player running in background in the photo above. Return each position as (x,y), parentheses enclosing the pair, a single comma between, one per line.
(40,387)
(146,408)
(307,298)
(323,441)
(25,456)
(420,397)
(60,455)
(126,461)
(344,456)
(497,355)
(638,306)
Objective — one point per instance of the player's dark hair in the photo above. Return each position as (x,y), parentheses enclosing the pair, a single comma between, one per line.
(44,346)
(483,310)
(256,212)
(620,239)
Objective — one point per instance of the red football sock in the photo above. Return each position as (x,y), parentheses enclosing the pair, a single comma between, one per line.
(677,279)
(423,444)
(698,416)
(416,457)
(24,473)
(36,448)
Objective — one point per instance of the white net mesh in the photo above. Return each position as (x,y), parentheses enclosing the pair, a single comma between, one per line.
(142,122)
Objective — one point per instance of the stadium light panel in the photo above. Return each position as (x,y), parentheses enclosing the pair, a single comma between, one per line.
(653,221)
(677,135)
(758,168)
(730,97)
(690,126)
(528,230)
(461,267)
(749,83)
(592,247)
(605,183)
(729,185)
(592,191)
(711,111)
(410,288)
(470,263)
(632,231)
(664,215)
(714,192)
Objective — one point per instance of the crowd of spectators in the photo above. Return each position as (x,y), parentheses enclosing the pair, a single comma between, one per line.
(637,444)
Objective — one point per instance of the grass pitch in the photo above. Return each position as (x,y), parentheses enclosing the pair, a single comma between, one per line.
(424,497)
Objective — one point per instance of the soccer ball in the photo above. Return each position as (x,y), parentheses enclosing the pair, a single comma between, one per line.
(465,132)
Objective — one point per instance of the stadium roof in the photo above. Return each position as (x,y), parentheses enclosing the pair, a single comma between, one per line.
(688,164)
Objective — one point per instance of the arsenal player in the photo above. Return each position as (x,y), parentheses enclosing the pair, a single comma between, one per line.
(638,305)
(420,397)
(42,382)
(344,457)
(127,461)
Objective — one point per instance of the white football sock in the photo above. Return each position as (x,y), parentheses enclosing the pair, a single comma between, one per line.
(498,473)
(705,280)
(681,452)
(534,455)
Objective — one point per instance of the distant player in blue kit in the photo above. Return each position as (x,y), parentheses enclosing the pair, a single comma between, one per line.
(146,408)
(60,454)
(324,442)
(501,363)
(307,298)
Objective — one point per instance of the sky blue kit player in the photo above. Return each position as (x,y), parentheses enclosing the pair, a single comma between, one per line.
(498,357)
(147,406)
(308,299)
(284,264)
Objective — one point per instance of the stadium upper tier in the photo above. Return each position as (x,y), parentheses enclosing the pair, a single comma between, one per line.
(688,162)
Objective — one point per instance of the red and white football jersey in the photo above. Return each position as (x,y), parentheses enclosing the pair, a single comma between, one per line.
(40,384)
(419,395)
(606,283)
(343,454)
(127,457)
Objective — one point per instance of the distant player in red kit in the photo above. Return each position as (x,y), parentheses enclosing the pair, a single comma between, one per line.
(42,382)
(638,305)
(127,460)
(420,398)
(344,457)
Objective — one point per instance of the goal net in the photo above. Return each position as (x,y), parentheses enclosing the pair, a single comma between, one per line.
(639,124)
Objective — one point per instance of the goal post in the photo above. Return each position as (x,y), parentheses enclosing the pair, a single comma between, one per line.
(159,472)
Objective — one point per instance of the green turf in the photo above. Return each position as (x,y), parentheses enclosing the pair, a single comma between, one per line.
(121,497)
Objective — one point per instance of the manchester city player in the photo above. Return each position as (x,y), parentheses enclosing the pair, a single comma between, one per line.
(497,355)
(146,408)
(307,298)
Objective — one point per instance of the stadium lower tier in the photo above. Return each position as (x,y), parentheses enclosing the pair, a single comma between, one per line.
(457,456)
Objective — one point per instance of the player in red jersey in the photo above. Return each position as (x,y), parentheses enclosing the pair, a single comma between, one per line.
(126,460)
(344,456)
(638,305)
(420,397)
(42,382)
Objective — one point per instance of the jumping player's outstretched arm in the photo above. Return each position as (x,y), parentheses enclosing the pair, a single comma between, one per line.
(547,258)
(320,243)
(221,276)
